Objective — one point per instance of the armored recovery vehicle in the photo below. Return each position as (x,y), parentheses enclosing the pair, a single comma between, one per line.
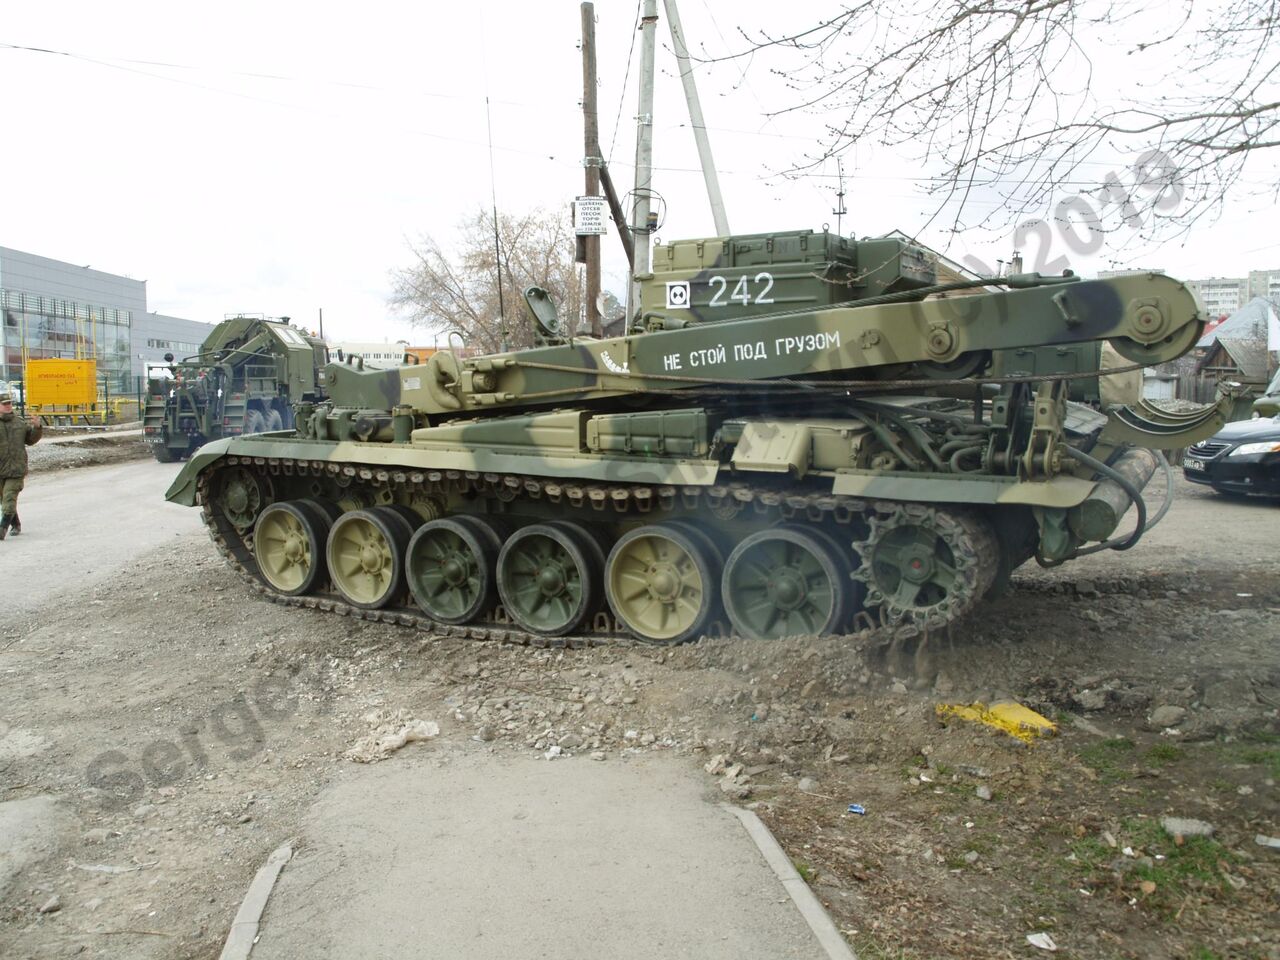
(794,436)
(245,379)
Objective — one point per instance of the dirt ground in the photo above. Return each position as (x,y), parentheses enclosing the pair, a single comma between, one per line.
(160,738)
(65,447)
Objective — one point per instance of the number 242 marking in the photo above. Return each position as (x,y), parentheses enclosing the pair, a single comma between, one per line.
(741,292)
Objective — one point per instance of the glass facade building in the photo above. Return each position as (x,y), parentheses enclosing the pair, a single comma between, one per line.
(51,309)
(39,327)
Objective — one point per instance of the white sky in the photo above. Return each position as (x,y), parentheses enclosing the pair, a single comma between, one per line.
(275,157)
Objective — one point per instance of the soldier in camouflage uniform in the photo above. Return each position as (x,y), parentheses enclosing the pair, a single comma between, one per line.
(16,434)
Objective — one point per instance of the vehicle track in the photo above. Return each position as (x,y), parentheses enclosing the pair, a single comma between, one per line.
(977,550)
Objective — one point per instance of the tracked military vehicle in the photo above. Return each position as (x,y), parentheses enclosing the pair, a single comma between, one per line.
(798,434)
(249,373)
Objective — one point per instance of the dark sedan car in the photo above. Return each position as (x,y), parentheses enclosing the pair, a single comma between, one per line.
(1242,457)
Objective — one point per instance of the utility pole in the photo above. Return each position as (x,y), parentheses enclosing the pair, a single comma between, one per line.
(591,159)
(695,120)
(616,211)
(640,226)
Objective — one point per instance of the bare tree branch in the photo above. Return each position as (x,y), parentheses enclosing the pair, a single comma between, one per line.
(445,293)
(1015,98)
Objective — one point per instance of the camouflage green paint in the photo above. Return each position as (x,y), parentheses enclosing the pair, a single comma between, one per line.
(297,355)
(747,310)
(729,278)
(213,393)
(1149,318)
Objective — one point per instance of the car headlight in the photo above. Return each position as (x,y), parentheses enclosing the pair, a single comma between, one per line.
(1246,449)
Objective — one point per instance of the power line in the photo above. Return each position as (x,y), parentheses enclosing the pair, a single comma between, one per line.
(742,74)
(279,103)
(114,63)
(622,97)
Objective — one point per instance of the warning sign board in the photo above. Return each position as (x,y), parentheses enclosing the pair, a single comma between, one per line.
(589,215)
(68,383)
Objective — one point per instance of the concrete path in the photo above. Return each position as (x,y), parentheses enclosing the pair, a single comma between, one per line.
(470,855)
(81,526)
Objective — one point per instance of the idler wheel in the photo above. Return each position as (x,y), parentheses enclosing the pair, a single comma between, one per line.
(661,582)
(242,495)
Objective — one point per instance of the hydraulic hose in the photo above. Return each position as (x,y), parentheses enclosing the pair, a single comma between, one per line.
(1135,495)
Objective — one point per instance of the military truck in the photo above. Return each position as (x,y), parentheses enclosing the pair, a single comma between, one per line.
(798,434)
(245,379)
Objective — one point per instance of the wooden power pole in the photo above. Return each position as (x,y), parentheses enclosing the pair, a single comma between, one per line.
(591,162)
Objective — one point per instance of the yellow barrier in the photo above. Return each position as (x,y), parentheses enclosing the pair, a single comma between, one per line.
(104,411)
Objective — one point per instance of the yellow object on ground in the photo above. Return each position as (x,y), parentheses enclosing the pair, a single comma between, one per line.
(51,383)
(1013,718)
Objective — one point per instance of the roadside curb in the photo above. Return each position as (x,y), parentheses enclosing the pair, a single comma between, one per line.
(244,928)
(811,909)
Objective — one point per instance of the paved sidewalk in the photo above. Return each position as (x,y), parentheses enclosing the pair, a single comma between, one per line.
(470,854)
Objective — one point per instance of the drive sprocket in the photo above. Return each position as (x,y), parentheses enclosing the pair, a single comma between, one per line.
(925,565)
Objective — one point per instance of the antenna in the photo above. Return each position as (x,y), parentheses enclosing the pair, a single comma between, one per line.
(839,211)
(497,247)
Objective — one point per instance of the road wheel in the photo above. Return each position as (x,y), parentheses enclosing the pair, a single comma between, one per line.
(546,579)
(365,553)
(450,565)
(661,581)
(785,582)
(839,544)
(289,545)
(327,508)
(596,542)
(410,516)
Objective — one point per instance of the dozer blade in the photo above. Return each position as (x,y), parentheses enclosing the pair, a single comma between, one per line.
(1146,425)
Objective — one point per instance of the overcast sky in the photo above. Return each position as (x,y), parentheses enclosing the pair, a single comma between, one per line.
(276,157)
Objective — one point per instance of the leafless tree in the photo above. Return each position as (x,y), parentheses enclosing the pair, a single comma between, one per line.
(446,291)
(1010,104)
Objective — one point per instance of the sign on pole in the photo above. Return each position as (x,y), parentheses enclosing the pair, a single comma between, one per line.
(589,215)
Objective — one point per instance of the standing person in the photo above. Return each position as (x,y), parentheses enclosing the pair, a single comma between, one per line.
(16,434)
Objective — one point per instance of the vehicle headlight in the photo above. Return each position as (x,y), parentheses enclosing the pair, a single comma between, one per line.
(1264,446)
